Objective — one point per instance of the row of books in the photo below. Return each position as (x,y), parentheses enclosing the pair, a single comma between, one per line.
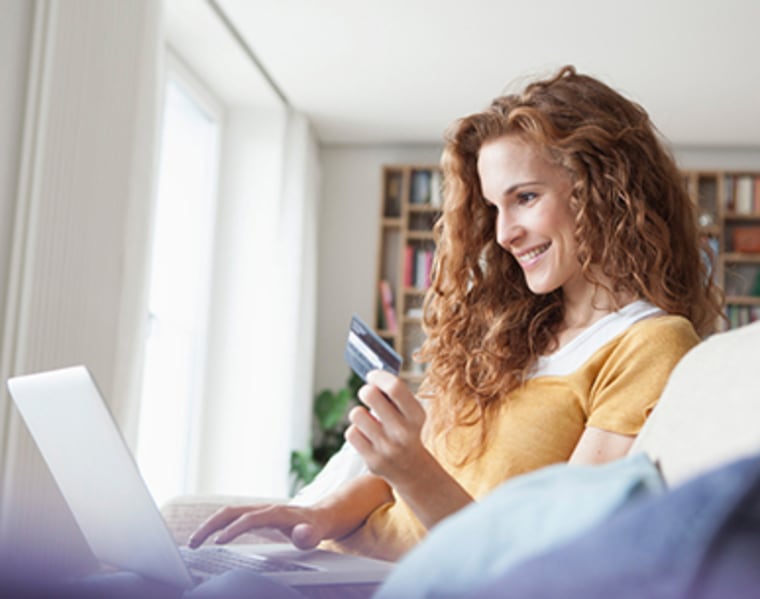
(743,194)
(741,315)
(426,188)
(418,265)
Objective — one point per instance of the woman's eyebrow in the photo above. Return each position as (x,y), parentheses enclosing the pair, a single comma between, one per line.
(512,188)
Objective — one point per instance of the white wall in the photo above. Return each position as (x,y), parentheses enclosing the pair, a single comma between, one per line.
(728,158)
(349,219)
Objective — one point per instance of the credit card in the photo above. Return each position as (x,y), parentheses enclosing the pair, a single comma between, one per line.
(366,351)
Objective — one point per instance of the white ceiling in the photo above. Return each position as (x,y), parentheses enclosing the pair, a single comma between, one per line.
(399,71)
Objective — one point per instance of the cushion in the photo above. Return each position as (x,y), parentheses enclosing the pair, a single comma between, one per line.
(709,411)
(700,540)
(522,517)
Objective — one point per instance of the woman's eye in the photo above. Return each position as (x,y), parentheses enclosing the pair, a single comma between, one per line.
(526,197)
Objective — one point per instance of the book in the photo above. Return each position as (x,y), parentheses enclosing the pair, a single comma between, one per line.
(435,189)
(420,280)
(756,205)
(389,310)
(428,267)
(744,191)
(729,203)
(393,197)
(420,192)
(408,266)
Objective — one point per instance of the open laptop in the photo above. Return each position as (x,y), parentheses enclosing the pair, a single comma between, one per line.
(99,479)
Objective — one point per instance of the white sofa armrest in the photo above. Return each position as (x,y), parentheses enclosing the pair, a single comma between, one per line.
(709,411)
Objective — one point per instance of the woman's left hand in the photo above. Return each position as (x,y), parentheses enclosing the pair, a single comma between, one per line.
(389,437)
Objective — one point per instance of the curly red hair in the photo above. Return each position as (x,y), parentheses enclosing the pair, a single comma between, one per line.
(634,221)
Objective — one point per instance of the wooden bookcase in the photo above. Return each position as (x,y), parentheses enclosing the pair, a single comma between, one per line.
(729,215)
(409,207)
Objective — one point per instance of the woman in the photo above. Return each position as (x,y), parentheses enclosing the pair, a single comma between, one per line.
(568,283)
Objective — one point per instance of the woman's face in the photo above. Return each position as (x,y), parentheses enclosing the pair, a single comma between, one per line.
(534,221)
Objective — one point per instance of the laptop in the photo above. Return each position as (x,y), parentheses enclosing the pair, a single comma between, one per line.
(99,480)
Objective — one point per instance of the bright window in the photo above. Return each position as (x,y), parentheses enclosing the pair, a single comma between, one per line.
(179,290)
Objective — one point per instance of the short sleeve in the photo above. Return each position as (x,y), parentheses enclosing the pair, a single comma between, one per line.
(634,370)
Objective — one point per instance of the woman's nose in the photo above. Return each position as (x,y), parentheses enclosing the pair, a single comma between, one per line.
(508,230)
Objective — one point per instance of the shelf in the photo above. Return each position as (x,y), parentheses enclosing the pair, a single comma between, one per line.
(392,221)
(737,258)
(737,217)
(426,208)
(412,320)
(742,300)
(420,235)
(415,291)
(712,230)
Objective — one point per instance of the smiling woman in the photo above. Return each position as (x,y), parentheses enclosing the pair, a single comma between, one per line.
(566,250)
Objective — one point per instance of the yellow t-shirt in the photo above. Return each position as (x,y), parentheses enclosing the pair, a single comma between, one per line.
(541,422)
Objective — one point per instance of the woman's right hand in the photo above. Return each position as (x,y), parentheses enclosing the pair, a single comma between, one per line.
(333,517)
(305,526)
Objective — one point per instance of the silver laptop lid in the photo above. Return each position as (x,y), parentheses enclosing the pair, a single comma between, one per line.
(97,475)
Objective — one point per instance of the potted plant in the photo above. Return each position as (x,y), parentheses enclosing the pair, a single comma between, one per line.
(329,423)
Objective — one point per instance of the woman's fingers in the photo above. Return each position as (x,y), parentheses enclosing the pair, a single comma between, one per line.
(398,394)
(218,520)
(382,408)
(305,536)
(251,520)
(230,522)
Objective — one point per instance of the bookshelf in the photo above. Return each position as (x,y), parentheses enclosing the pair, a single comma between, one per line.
(410,204)
(729,216)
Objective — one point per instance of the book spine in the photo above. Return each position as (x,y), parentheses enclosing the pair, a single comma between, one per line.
(435,189)
(389,310)
(420,281)
(729,204)
(409,266)
(744,190)
(428,267)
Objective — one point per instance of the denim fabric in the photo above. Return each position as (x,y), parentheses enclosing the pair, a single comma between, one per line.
(521,518)
(699,541)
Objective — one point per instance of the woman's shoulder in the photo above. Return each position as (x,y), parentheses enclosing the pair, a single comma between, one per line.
(664,328)
(638,325)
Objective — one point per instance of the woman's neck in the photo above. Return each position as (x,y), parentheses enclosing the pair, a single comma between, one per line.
(584,309)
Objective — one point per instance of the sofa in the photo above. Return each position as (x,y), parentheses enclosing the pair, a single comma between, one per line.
(679,517)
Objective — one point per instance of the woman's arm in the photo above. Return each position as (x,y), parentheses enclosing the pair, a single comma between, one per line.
(331,518)
(389,440)
(597,446)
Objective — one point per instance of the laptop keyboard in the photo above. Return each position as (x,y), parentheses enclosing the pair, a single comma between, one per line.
(216,560)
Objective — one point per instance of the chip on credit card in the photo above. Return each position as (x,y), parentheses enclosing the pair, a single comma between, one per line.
(366,351)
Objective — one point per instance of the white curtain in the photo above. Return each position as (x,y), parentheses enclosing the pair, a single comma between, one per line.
(297,242)
(259,373)
(73,288)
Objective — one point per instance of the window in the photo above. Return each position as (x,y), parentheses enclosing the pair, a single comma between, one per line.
(180,274)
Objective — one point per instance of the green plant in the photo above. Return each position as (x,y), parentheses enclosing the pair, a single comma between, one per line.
(328,425)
